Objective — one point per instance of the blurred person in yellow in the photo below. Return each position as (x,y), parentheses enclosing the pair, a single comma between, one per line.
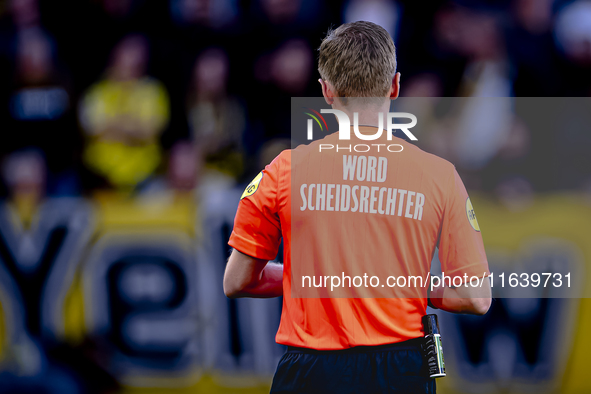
(123,115)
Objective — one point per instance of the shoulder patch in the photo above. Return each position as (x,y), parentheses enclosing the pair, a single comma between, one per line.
(471,215)
(253,186)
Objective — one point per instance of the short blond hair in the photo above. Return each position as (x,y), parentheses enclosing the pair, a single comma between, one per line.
(358,59)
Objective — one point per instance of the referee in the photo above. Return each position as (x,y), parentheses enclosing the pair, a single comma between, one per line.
(356,344)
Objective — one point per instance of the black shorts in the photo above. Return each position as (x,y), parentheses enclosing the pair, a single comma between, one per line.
(395,368)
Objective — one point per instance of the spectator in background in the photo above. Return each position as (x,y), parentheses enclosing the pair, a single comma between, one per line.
(385,13)
(478,38)
(274,22)
(117,8)
(195,19)
(217,120)
(183,167)
(284,34)
(24,173)
(25,14)
(483,123)
(39,105)
(289,67)
(179,179)
(425,84)
(531,50)
(285,72)
(22,16)
(283,12)
(123,116)
(572,34)
(217,14)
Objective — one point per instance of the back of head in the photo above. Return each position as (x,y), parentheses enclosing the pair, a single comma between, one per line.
(358,59)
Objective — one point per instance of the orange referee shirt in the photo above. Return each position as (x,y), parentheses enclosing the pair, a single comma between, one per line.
(391,210)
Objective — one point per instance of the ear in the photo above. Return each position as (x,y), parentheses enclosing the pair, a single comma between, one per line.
(395,90)
(327,92)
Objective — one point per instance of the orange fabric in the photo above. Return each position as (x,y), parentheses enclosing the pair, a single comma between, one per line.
(353,242)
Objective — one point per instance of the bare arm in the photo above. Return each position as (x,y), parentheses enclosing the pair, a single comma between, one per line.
(464,299)
(247,276)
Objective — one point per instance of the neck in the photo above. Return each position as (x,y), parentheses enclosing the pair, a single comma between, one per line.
(366,114)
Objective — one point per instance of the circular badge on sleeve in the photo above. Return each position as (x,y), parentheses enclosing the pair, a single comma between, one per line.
(471,215)
(253,186)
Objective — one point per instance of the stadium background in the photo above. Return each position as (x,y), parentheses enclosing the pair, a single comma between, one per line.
(130,128)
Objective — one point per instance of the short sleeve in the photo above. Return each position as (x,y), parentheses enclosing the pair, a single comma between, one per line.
(461,250)
(257,228)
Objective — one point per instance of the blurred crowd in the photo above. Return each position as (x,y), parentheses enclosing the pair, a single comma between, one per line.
(179,104)
(136,95)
